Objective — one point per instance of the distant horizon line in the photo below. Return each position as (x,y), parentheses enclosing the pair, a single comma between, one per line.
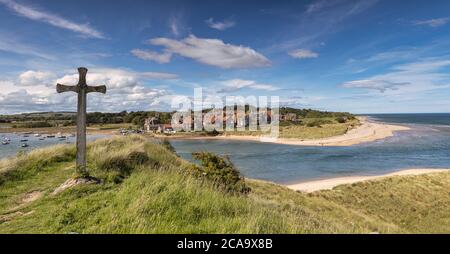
(162,111)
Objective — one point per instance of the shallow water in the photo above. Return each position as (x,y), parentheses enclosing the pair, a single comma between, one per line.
(426,145)
(15,145)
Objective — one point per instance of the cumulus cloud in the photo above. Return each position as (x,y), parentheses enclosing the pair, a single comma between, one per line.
(213,52)
(35,91)
(32,78)
(238,84)
(151,55)
(52,19)
(220,25)
(303,53)
(433,22)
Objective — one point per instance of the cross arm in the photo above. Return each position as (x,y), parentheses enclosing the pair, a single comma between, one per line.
(63,88)
(97,89)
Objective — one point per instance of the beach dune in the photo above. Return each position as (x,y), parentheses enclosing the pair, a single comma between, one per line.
(328,184)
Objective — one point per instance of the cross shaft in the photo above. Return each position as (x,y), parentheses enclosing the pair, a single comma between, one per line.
(82,89)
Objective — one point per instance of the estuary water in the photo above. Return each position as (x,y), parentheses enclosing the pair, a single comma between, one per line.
(16,141)
(426,145)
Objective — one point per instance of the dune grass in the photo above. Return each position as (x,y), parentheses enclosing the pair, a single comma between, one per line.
(146,189)
(311,128)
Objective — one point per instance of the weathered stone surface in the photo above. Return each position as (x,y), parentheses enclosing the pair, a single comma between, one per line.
(82,89)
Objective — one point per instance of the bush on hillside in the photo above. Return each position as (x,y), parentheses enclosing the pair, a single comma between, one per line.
(341,119)
(212,133)
(318,123)
(40,124)
(221,171)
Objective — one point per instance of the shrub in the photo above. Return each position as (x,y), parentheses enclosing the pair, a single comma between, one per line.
(341,119)
(212,133)
(318,123)
(41,124)
(221,171)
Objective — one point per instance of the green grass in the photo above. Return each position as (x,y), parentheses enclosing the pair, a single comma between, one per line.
(146,189)
(329,128)
(309,128)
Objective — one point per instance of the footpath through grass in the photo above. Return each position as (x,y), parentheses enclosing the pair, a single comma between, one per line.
(146,188)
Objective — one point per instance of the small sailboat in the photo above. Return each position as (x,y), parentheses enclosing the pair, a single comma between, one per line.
(4,142)
(24,145)
(37,135)
(24,140)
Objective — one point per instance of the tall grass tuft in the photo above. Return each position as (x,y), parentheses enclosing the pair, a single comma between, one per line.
(28,164)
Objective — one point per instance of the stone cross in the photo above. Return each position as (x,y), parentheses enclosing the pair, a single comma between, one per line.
(82,89)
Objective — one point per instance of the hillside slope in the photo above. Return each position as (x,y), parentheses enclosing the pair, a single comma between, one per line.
(145,189)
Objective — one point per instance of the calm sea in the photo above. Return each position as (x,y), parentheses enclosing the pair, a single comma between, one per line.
(426,145)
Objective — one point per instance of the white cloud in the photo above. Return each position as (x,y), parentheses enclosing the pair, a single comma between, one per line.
(52,19)
(35,91)
(238,84)
(303,53)
(320,5)
(16,47)
(32,78)
(412,78)
(220,25)
(175,25)
(320,20)
(433,22)
(116,78)
(213,52)
(379,85)
(151,55)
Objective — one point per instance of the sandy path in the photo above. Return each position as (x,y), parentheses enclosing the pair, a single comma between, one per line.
(328,184)
(367,132)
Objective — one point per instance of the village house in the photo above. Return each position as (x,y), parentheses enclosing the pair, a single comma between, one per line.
(289,117)
(153,124)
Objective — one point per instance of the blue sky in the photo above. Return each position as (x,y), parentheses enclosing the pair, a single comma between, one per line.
(360,56)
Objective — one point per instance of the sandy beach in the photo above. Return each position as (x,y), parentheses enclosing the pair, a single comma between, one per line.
(328,184)
(367,131)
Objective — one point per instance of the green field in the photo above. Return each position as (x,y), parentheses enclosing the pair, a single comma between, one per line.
(148,189)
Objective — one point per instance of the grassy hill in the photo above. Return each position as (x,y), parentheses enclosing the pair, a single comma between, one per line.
(146,188)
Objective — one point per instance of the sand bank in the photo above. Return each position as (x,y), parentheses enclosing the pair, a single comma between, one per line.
(367,131)
(328,184)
